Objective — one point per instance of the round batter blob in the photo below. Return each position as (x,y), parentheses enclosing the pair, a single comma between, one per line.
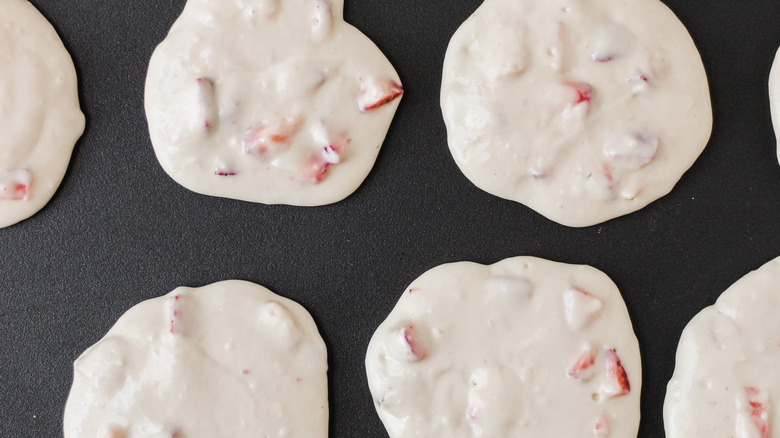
(522,348)
(583,110)
(726,381)
(774,98)
(40,116)
(227,360)
(278,102)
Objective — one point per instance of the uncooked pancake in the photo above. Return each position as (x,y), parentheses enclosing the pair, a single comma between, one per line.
(227,360)
(277,102)
(522,348)
(583,110)
(40,116)
(726,381)
(774,99)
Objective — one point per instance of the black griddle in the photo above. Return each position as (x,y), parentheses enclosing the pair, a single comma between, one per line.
(120,231)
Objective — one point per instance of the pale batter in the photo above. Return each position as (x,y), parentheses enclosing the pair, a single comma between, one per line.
(522,348)
(583,110)
(40,118)
(227,360)
(278,102)
(726,383)
(774,99)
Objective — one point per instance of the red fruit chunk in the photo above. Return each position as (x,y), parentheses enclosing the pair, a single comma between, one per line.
(616,374)
(414,348)
(15,185)
(582,92)
(584,362)
(272,137)
(222,172)
(111,432)
(316,170)
(759,413)
(375,93)
(332,152)
(601,427)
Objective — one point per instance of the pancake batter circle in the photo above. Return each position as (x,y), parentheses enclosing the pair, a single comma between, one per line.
(229,359)
(726,380)
(269,101)
(40,117)
(522,348)
(583,110)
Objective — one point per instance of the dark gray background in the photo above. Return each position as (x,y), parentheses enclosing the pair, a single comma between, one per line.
(120,230)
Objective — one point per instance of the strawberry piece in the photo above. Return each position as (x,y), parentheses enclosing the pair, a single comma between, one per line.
(207,104)
(616,375)
(271,138)
(584,363)
(600,427)
(581,308)
(316,170)
(582,92)
(759,414)
(332,152)
(412,347)
(631,150)
(375,93)
(15,185)
(223,172)
(639,83)
(110,432)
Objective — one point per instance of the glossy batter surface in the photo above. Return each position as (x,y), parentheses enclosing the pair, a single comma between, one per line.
(522,348)
(40,118)
(726,381)
(227,360)
(583,110)
(278,102)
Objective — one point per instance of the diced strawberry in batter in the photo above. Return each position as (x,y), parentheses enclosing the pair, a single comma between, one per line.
(110,432)
(759,414)
(376,92)
(601,427)
(638,82)
(581,308)
(332,152)
(616,374)
(316,170)
(414,349)
(272,137)
(15,185)
(223,172)
(584,362)
(582,92)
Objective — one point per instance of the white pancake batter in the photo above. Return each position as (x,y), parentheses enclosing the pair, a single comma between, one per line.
(278,102)
(774,98)
(726,382)
(227,360)
(40,118)
(522,348)
(583,110)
